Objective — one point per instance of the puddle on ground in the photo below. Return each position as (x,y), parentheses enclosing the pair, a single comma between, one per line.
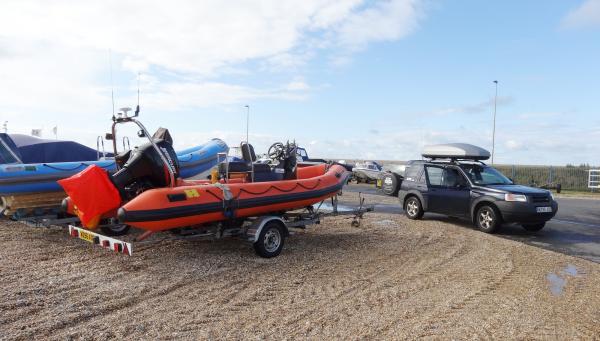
(557,284)
(558,281)
(340,208)
(570,270)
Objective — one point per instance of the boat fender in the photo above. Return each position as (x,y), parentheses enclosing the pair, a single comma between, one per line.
(254,230)
(228,207)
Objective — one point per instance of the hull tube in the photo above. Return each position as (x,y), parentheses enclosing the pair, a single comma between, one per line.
(164,209)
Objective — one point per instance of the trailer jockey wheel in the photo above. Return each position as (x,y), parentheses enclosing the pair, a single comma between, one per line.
(270,240)
(355,223)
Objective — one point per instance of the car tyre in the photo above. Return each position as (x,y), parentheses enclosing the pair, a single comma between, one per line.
(389,184)
(270,240)
(487,219)
(534,227)
(413,208)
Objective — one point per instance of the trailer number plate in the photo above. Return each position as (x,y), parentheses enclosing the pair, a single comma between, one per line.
(544,209)
(86,236)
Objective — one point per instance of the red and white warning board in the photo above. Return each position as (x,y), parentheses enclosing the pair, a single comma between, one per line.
(100,240)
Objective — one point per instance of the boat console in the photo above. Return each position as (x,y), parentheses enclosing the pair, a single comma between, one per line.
(281,166)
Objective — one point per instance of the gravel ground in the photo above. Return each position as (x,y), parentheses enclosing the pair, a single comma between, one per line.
(388,278)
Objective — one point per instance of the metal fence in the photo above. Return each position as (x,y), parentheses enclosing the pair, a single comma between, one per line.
(569,177)
(594,179)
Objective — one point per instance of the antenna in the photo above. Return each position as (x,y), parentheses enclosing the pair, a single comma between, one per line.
(137,109)
(112,90)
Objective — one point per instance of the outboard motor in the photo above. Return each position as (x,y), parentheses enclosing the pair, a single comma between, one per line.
(145,169)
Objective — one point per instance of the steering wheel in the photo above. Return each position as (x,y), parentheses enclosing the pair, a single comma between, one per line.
(276,151)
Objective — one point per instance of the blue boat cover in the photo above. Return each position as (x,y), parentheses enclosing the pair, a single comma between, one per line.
(9,153)
(31,149)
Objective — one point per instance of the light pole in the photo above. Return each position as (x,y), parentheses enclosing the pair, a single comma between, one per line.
(494,130)
(247,120)
(248,143)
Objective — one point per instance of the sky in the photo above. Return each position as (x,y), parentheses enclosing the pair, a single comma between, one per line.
(353,79)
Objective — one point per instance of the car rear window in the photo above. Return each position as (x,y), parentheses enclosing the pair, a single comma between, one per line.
(412,172)
(434,174)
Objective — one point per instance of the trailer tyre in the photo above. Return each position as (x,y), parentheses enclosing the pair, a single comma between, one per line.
(270,240)
(115,230)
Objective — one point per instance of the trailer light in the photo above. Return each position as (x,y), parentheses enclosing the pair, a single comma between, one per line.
(96,240)
(126,250)
(118,247)
(105,243)
(74,233)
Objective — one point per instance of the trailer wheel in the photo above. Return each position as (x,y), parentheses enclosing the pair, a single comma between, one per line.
(114,230)
(270,240)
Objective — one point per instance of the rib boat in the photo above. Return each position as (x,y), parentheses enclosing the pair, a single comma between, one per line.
(147,191)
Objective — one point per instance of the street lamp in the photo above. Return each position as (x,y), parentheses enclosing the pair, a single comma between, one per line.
(247,120)
(248,143)
(494,130)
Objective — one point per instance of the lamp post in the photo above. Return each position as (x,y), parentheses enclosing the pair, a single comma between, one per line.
(247,142)
(494,129)
(247,120)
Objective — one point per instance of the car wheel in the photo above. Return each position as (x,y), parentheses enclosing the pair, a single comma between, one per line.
(270,240)
(413,208)
(534,227)
(487,219)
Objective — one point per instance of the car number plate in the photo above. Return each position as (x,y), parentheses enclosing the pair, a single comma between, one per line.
(545,209)
(86,236)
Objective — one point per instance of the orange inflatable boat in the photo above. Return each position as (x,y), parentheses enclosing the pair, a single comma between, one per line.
(192,204)
(147,193)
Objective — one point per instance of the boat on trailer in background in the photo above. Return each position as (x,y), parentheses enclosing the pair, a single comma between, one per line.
(31,166)
(256,201)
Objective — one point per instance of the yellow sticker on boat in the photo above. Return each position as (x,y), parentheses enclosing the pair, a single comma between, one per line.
(191,193)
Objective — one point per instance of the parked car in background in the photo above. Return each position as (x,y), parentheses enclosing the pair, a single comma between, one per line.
(454,181)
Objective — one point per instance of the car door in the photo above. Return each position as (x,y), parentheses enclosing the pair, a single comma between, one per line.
(435,190)
(456,193)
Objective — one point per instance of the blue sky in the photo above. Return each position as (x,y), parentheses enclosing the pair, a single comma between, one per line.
(346,79)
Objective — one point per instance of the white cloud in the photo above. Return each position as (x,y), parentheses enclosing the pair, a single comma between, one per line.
(476,107)
(586,15)
(54,54)
(385,21)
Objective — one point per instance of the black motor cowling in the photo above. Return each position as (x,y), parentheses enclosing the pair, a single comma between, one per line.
(145,169)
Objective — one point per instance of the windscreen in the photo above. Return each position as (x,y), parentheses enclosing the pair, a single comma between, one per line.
(484,175)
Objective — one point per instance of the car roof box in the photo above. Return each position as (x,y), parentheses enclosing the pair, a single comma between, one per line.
(462,151)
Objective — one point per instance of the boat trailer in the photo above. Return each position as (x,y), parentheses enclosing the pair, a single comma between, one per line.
(266,233)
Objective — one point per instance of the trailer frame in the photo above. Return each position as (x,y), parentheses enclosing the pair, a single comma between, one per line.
(252,230)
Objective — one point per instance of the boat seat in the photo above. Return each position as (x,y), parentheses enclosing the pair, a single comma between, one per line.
(248,153)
